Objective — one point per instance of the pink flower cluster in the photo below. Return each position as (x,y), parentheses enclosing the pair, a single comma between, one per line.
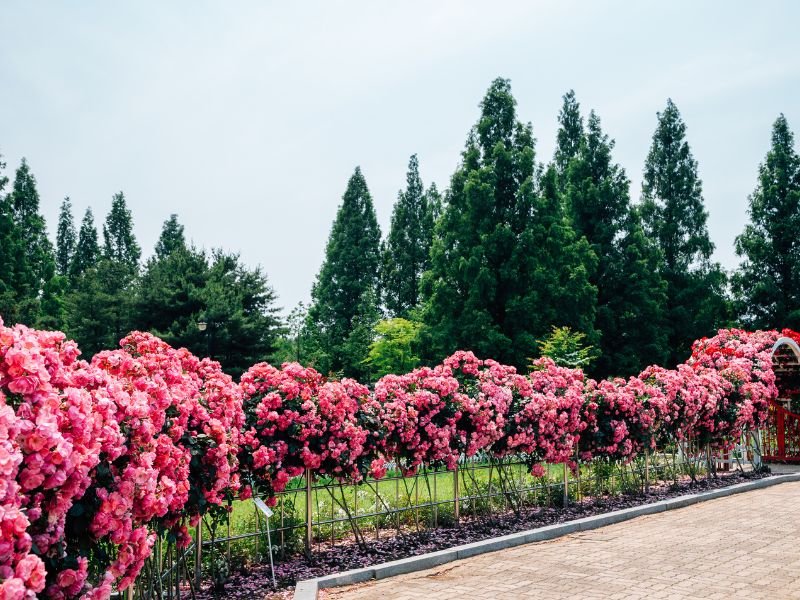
(52,433)
(181,419)
(296,421)
(743,360)
(545,422)
(417,415)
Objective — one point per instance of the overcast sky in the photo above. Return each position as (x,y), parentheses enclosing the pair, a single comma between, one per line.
(247,118)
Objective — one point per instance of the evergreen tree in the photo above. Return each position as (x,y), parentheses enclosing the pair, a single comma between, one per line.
(343,296)
(406,251)
(113,279)
(170,293)
(65,238)
(87,249)
(632,316)
(674,215)
(506,264)
(171,238)
(119,242)
(243,326)
(89,310)
(570,133)
(596,192)
(34,263)
(9,248)
(767,284)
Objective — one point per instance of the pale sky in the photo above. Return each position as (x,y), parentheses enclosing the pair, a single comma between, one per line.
(247,118)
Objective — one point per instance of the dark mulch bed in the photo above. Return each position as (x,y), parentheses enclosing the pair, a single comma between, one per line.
(255,581)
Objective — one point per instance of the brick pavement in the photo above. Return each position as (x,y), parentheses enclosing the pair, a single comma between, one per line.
(743,546)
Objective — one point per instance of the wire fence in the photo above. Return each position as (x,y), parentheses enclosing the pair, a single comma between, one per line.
(316,514)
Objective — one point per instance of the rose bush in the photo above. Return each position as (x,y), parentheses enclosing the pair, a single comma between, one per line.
(97,459)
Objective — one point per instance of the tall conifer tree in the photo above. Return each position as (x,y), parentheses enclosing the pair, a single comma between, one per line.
(171,237)
(767,284)
(9,247)
(87,249)
(120,244)
(570,134)
(506,264)
(66,238)
(596,192)
(344,294)
(406,251)
(35,266)
(674,215)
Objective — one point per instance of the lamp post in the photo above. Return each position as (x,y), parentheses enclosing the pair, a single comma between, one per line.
(207,328)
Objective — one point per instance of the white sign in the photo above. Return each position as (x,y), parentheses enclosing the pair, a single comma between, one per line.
(260,505)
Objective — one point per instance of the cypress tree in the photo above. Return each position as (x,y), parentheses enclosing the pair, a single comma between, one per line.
(570,133)
(35,266)
(87,249)
(9,248)
(171,237)
(674,215)
(632,316)
(767,284)
(65,238)
(343,296)
(116,271)
(120,245)
(406,251)
(506,264)
(597,194)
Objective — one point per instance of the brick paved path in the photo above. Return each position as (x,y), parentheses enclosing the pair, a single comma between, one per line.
(744,546)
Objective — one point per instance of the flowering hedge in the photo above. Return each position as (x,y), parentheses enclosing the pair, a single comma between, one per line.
(98,458)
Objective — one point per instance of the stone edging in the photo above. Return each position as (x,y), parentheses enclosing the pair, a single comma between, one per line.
(307,589)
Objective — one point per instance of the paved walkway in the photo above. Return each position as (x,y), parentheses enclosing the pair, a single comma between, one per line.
(744,546)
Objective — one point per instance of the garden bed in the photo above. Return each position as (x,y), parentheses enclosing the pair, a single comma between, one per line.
(254,581)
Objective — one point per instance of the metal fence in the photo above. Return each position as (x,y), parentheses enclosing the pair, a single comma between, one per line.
(314,514)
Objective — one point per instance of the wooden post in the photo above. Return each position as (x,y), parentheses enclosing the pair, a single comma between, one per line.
(456,495)
(309,512)
(566,485)
(198,553)
(647,471)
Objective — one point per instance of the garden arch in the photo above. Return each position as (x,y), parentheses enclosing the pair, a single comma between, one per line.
(782,434)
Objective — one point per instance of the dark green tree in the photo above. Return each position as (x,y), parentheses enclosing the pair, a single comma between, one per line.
(66,238)
(120,244)
(170,299)
(632,316)
(34,262)
(506,264)
(243,324)
(89,309)
(570,133)
(596,191)
(9,248)
(171,237)
(115,274)
(344,294)
(674,215)
(87,249)
(406,250)
(767,284)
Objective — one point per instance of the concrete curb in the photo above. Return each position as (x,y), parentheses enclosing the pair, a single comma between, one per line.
(308,589)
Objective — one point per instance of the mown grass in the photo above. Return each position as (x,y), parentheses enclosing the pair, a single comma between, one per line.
(396,504)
